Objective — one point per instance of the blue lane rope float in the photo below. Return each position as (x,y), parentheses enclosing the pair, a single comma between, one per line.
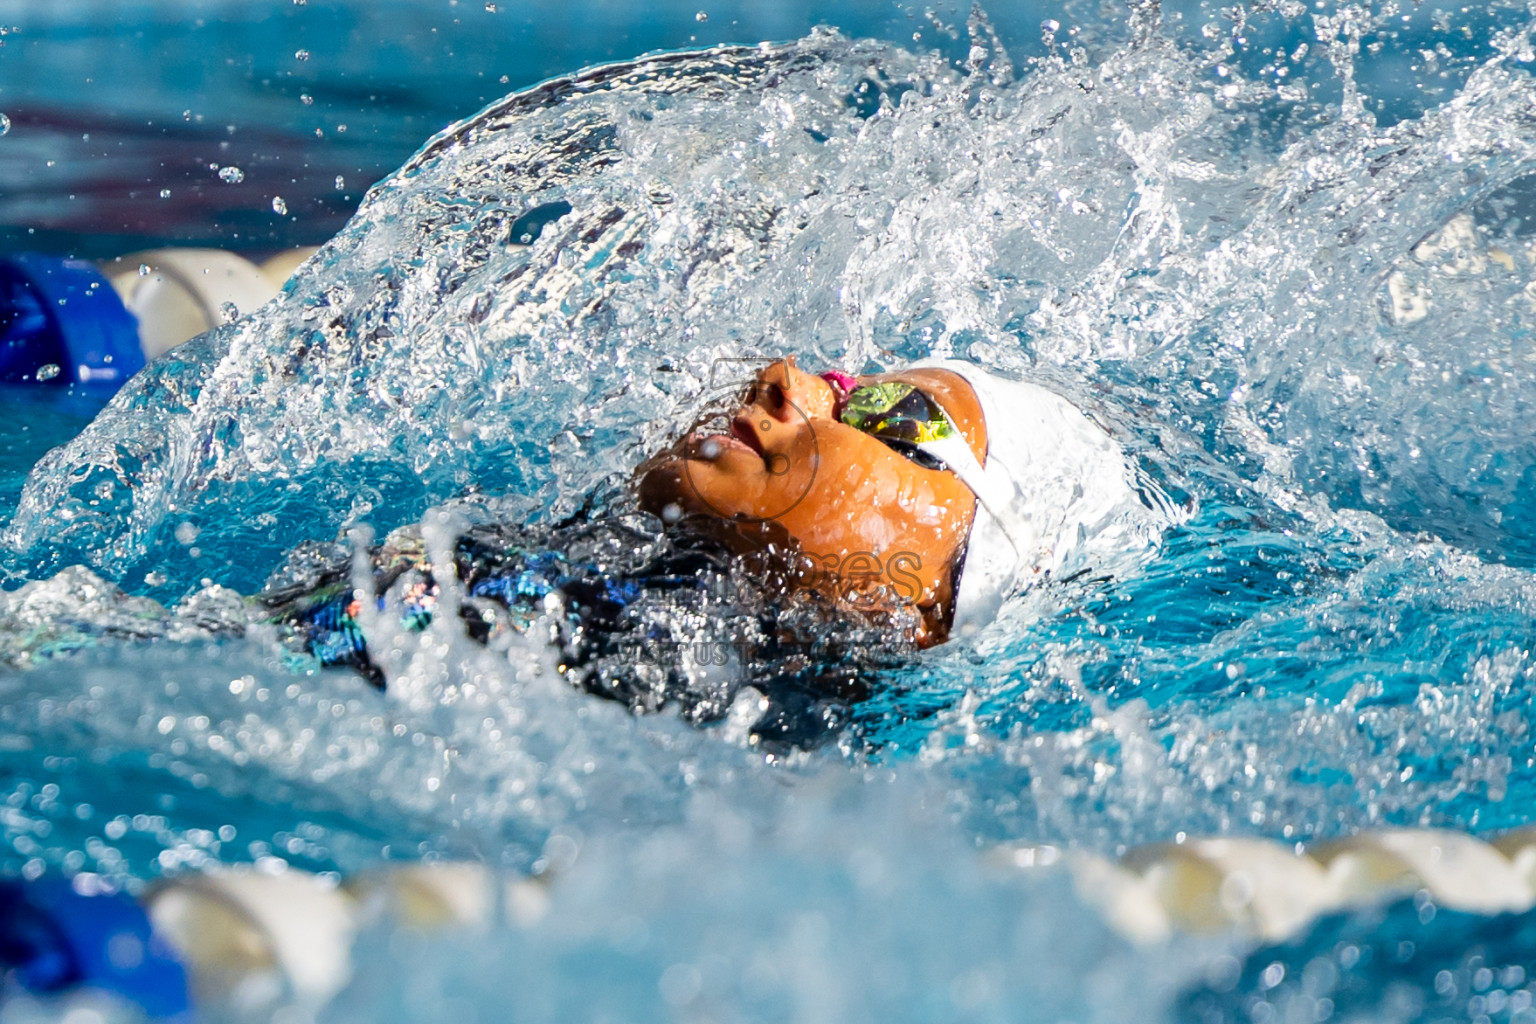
(68,322)
(54,939)
(61,320)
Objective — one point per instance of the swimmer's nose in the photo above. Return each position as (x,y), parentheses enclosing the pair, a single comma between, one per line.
(786,392)
(770,397)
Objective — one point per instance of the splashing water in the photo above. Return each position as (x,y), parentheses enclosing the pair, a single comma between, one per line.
(1304,301)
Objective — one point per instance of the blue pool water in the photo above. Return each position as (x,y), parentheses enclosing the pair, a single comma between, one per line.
(1286,253)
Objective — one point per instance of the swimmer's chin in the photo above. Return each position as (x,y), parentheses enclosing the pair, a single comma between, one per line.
(666,489)
(662,490)
(669,482)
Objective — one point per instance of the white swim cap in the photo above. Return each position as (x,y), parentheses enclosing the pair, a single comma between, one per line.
(1055,492)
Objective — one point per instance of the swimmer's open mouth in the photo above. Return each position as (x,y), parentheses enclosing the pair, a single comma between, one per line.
(744,433)
(709,447)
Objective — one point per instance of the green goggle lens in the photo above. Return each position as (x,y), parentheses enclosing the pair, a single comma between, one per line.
(899,414)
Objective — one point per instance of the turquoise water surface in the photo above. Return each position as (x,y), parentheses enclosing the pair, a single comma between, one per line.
(1285,252)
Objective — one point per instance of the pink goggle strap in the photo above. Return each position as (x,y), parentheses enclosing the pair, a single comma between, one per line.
(842,383)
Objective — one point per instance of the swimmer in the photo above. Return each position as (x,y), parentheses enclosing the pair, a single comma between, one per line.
(941,487)
(822,523)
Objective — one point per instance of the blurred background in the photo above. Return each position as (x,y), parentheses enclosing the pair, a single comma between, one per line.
(255,126)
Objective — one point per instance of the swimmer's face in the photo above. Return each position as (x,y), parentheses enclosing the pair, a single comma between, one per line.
(864,512)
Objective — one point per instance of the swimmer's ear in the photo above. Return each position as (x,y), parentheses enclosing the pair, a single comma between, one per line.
(939,614)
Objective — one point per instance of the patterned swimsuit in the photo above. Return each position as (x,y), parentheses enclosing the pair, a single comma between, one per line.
(639,618)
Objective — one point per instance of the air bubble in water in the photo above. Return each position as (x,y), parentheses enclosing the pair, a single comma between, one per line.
(48,371)
(301,55)
(143,269)
(490,8)
(231,175)
(230,312)
(279,207)
(341,183)
(165,193)
(5,124)
(306,99)
(702,16)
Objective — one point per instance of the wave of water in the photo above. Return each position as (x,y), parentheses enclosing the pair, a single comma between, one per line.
(1305,305)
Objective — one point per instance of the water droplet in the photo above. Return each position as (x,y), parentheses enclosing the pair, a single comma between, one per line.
(306,99)
(143,269)
(702,16)
(279,207)
(231,175)
(230,312)
(341,183)
(165,193)
(48,371)
(186,533)
(5,124)
(505,79)
(301,55)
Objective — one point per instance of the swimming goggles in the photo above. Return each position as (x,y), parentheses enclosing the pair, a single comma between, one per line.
(908,419)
